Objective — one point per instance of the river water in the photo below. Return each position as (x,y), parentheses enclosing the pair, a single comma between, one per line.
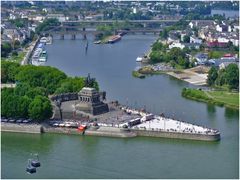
(70,156)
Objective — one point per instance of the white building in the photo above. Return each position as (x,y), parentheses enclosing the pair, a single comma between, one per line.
(177,45)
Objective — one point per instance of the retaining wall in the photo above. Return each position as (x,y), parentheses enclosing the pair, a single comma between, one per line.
(108,132)
(22,128)
(98,132)
(175,135)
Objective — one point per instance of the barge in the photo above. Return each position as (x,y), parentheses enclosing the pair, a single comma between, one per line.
(114,39)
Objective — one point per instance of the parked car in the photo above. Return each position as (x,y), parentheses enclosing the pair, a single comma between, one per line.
(19,121)
(4,120)
(26,121)
(12,121)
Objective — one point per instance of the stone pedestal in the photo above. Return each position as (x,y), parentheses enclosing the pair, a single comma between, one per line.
(89,102)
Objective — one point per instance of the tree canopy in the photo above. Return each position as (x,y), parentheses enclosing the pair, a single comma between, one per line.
(228,76)
(46,25)
(176,56)
(40,108)
(29,99)
(43,76)
(9,71)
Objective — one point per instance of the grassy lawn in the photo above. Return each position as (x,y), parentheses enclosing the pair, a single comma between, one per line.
(137,74)
(17,58)
(226,97)
(221,98)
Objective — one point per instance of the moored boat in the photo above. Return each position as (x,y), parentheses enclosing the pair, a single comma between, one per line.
(114,39)
(97,42)
(139,59)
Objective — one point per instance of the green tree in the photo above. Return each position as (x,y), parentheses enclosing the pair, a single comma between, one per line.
(44,76)
(47,24)
(23,105)
(73,85)
(221,79)
(232,76)
(164,34)
(186,39)
(40,108)
(5,94)
(9,71)
(212,76)
(6,48)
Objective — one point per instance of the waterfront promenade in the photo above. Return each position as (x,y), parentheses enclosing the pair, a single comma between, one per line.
(30,50)
(146,125)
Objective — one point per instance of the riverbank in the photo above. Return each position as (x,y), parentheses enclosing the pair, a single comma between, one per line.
(29,50)
(196,75)
(107,132)
(22,128)
(145,125)
(220,98)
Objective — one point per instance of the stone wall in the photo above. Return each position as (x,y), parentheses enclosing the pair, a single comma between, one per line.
(65,97)
(107,132)
(22,128)
(176,135)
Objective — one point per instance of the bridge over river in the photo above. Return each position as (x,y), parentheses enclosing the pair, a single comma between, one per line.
(69,30)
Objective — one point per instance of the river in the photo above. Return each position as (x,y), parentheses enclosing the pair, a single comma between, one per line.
(70,156)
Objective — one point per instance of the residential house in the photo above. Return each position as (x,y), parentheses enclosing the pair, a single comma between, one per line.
(201,58)
(201,23)
(234,40)
(222,28)
(37,18)
(192,45)
(173,39)
(194,39)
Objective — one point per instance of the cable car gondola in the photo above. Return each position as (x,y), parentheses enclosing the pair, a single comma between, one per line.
(30,169)
(35,162)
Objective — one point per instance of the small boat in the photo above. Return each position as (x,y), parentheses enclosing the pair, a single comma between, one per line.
(43,40)
(139,59)
(97,42)
(49,40)
(30,169)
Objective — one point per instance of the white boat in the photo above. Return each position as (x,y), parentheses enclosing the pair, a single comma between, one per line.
(139,59)
(42,59)
(43,40)
(97,42)
(43,56)
(49,40)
